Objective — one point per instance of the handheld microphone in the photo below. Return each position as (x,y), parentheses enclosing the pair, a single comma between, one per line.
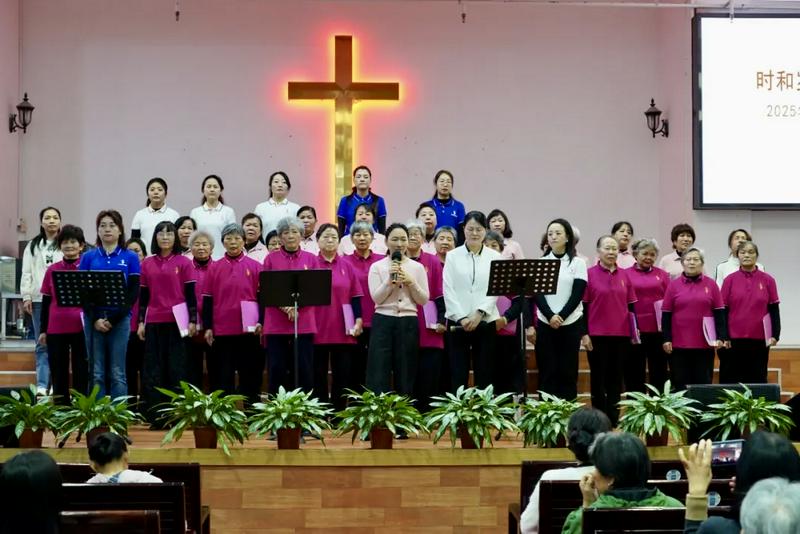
(397,256)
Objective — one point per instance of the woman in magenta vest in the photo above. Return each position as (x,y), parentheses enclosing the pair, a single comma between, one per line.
(230,293)
(754,321)
(167,284)
(607,303)
(335,340)
(650,284)
(279,322)
(692,300)
(61,328)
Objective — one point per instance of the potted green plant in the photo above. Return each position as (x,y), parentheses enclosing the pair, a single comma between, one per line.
(378,416)
(288,413)
(472,413)
(740,411)
(544,421)
(215,418)
(29,416)
(90,415)
(657,415)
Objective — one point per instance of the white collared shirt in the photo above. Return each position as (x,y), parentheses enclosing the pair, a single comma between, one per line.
(213,220)
(570,271)
(466,282)
(728,267)
(146,219)
(272,211)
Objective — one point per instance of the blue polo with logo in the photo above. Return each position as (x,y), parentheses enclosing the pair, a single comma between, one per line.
(450,212)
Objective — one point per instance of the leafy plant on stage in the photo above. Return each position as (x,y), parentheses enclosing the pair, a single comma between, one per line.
(649,414)
(369,411)
(23,411)
(474,411)
(88,412)
(745,413)
(544,421)
(296,409)
(190,408)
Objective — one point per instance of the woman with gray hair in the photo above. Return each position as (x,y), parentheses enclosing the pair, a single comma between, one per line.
(444,239)
(230,289)
(279,322)
(201,247)
(650,284)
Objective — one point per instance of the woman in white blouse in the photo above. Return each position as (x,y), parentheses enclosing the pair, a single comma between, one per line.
(466,281)
(213,215)
(277,206)
(154,212)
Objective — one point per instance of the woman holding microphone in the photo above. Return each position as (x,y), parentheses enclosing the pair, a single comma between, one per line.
(754,321)
(691,300)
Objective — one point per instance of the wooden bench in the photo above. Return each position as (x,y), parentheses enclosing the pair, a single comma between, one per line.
(167,498)
(111,522)
(650,520)
(532,471)
(197,515)
(558,498)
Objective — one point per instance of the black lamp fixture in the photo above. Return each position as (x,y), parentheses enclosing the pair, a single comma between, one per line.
(25,110)
(653,115)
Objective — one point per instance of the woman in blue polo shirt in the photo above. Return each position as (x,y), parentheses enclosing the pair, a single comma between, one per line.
(107,328)
(361,194)
(449,211)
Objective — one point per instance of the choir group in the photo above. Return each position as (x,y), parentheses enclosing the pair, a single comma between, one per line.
(408,308)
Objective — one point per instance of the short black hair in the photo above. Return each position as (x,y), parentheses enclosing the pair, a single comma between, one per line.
(766,455)
(106,448)
(394,226)
(115,216)
(138,242)
(285,177)
(221,187)
(679,229)
(325,227)
(422,207)
(270,235)
(362,168)
(570,236)
(623,457)
(166,226)
(733,233)
(620,224)
(507,232)
(584,425)
(307,208)
(182,219)
(30,494)
(476,216)
(69,231)
(152,181)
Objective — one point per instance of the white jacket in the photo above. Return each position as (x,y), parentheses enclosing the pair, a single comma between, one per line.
(466,281)
(34,265)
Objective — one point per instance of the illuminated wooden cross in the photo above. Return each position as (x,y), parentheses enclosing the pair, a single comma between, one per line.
(344,91)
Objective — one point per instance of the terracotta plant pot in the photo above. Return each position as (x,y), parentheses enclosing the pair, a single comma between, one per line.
(289,438)
(658,440)
(31,439)
(205,437)
(466,440)
(93,433)
(381,438)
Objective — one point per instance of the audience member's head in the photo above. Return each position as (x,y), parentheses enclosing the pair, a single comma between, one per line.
(766,455)
(30,494)
(583,427)
(772,506)
(620,460)
(107,448)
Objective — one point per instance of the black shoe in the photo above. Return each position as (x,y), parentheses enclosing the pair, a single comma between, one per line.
(272,436)
(402,435)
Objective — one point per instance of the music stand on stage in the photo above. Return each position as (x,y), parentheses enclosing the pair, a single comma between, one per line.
(90,288)
(279,289)
(523,278)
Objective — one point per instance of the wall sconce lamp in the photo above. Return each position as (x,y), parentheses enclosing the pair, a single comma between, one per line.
(653,115)
(25,110)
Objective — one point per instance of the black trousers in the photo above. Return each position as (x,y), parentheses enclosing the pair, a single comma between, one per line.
(746,362)
(61,349)
(429,372)
(509,373)
(557,358)
(339,359)
(164,364)
(650,354)
(359,367)
(605,362)
(691,366)
(199,353)
(478,346)
(280,362)
(134,359)
(242,353)
(393,351)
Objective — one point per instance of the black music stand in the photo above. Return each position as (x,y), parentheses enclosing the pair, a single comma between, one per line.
(523,278)
(310,287)
(90,288)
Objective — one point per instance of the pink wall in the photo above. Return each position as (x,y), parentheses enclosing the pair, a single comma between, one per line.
(9,143)
(536,109)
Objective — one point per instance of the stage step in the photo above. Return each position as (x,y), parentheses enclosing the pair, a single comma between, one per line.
(17,378)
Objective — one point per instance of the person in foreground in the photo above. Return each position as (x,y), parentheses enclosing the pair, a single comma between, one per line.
(619,479)
(108,456)
(583,426)
(30,494)
(764,455)
(772,506)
